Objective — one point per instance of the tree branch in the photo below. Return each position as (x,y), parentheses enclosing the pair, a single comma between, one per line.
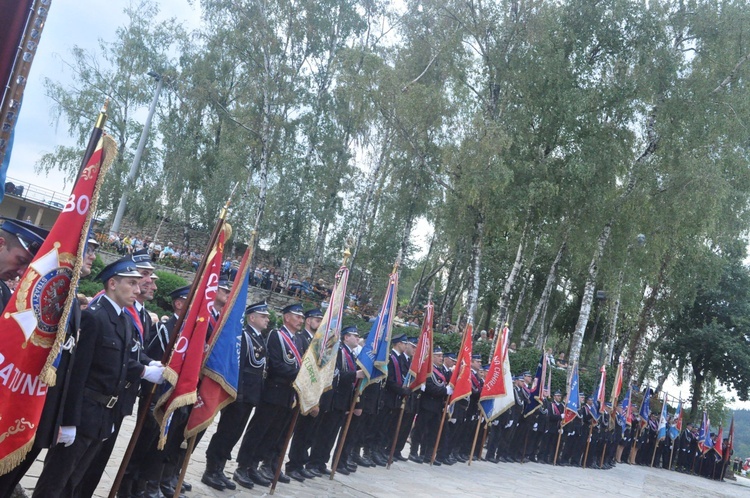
(731,75)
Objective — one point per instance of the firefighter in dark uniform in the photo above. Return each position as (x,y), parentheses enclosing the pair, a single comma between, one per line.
(102,367)
(235,416)
(19,243)
(572,435)
(307,425)
(49,422)
(145,468)
(361,432)
(345,379)
(393,393)
(555,411)
(472,412)
(431,404)
(141,321)
(270,422)
(411,406)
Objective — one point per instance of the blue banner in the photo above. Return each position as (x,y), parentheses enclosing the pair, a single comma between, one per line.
(373,359)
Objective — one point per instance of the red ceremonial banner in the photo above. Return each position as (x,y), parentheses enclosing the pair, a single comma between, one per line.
(421,364)
(29,325)
(184,366)
(461,378)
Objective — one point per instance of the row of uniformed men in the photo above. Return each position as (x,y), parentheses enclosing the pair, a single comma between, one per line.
(100,368)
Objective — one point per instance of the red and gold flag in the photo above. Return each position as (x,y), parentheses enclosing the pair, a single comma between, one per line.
(184,366)
(33,324)
(461,378)
(421,364)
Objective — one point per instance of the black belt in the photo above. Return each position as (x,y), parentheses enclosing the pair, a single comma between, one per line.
(107,401)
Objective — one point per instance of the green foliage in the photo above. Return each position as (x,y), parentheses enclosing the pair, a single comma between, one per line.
(167,283)
(89,287)
(741,433)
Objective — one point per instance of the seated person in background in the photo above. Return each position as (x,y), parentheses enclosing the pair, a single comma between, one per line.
(561,361)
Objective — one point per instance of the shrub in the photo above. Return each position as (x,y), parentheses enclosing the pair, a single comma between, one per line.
(167,283)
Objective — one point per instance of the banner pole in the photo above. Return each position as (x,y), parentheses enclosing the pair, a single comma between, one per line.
(345,430)
(474,443)
(288,438)
(395,436)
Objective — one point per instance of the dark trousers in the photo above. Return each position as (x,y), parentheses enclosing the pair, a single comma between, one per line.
(302,441)
(64,468)
(145,463)
(232,424)
(403,433)
(389,419)
(428,424)
(9,481)
(353,441)
(325,437)
(93,475)
(264,435)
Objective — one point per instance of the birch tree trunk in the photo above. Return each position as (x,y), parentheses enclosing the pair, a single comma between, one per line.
(476,267)
(542,304)
(615,315)
(365,208)
(576,341)
(504,301)
(646,312)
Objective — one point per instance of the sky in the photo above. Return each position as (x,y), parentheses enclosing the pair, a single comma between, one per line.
(82,23)
(70,23)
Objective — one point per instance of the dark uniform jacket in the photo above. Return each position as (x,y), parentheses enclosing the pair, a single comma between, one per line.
(5,294)
(102,367)
(394,390)
(282,365)
(46,434)
(435,391)
(252,367)
(346,363)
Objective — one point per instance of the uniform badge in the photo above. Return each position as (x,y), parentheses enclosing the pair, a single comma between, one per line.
(41,295)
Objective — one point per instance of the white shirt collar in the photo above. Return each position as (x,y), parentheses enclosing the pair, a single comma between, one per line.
(138,306)
(117,307)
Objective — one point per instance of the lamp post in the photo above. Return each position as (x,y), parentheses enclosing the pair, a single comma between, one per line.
(133,174)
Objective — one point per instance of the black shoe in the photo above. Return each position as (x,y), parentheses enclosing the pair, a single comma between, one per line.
(212,480)
(247,477)
(284,479)
(152,490)
(492,460)
(295,474)
(306,473)
(189,487)
(446,461)
(378,460)
(342,470)
(266,472)
(351,467)
(461,458)
(313,471)
(397,457)
(437,463)
(416,458)
(363,461)
(168,490)
(323,470)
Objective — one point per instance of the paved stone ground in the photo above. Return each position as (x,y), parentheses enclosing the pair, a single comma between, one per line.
(481,479)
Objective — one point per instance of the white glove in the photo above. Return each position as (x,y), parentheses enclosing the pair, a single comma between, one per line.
(155,363)
(449,389)
(66,435)
(153,374)
(424,386)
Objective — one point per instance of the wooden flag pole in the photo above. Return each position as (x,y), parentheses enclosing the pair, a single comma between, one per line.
(588,443)
(165,358)
(183,470)
(345,430)
(440,431)
(474,443)
(671,454)
(484,436)
(280,461)
(604,451)
(653,455)
(557,448)
(397,432)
